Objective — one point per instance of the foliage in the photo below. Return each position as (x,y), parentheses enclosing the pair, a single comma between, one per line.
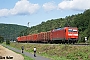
(7,42)
(1,39)
(10,31)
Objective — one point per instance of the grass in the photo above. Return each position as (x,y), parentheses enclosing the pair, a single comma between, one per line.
(57,51)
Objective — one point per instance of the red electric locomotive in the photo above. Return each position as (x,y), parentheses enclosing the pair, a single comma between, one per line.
(65,35)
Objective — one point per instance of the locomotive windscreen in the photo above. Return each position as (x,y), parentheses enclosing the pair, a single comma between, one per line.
(72,30)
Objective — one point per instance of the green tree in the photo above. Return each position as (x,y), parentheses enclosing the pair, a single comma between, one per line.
(7,42)
(1,39)
(10,31)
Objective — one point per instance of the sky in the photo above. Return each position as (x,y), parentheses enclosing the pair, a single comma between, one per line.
(21,12)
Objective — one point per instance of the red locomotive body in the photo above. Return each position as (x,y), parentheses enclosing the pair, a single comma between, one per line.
(67,34)
(72,34)
(58,34)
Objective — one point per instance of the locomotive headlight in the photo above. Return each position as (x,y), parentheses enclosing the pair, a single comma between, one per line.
(72,34)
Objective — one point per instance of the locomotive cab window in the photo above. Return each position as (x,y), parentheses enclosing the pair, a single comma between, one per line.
(72,30)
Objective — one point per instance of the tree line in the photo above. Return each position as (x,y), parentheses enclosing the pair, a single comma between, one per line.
(10,31)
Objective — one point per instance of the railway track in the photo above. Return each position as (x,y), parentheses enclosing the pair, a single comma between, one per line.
(77,44)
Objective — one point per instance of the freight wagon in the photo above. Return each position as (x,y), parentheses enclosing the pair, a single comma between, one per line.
(60,35)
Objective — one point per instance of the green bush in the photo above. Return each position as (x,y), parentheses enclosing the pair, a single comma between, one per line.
(1,39)
(7,42)
(88,40)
